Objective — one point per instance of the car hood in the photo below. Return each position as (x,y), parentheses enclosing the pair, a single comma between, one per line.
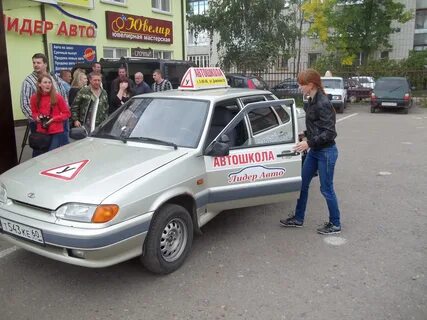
(86,171)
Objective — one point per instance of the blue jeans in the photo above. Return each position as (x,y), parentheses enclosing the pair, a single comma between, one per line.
(65,135)
(323,161)
(57,141)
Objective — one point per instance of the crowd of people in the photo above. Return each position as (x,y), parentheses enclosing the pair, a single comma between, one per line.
(51,103)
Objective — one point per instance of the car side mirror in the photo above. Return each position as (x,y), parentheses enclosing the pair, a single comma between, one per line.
(219,148)
(78,133)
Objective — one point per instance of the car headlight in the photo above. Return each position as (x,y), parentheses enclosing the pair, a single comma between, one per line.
(336,97)
(86,212)
(3,194)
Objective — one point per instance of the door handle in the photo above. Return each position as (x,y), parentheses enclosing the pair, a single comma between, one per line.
(288,153)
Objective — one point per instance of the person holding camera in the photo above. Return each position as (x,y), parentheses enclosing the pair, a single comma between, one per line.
(49,111)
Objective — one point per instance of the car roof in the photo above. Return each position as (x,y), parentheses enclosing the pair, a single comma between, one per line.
(206,94)
(393,78)
(332,78)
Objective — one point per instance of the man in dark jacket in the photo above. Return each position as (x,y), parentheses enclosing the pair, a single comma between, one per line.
(140,85)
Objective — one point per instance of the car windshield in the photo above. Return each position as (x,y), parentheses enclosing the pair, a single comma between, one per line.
(333,83)
(364,80)
(167,121)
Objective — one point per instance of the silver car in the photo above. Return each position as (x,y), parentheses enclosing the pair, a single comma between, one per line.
(152,175)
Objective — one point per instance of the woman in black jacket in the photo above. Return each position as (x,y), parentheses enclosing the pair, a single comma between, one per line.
(322,154)
(123,93)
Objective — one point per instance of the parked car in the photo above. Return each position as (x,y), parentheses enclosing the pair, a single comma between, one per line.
(355,90)
(152,174)
(241,81)
(365,81)
(391,93)
(287,89)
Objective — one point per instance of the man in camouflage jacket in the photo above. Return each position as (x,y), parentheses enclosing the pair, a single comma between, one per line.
(86,97)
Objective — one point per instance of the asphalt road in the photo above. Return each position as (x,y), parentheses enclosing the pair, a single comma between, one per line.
(245,266)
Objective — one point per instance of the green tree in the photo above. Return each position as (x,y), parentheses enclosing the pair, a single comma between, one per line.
(355,26)
(252,33)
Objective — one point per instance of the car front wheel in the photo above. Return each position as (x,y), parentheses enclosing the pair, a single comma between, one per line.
(169,239)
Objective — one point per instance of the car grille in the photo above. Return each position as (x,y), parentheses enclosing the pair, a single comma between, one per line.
(27,205)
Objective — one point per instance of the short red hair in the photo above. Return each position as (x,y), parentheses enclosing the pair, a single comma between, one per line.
(310,76)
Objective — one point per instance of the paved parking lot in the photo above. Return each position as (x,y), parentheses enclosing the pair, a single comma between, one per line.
(245,266)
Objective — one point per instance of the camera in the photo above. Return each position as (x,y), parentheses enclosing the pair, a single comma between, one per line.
(44,120)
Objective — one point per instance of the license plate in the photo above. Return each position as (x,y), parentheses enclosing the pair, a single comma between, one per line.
(22,231)
(389,104)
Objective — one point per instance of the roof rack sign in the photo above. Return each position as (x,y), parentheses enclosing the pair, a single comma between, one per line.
(203,78)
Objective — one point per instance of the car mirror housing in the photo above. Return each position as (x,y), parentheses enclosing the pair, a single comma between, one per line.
(78,133)
(218,149)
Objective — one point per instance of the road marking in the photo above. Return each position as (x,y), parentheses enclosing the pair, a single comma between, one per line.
(346,117)
(8,251)
(335,241)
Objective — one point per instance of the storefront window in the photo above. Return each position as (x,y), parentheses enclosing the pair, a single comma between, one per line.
(115,52)
(162,5)
(162,54)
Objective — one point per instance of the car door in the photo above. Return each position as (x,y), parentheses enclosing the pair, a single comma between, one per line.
(263,168)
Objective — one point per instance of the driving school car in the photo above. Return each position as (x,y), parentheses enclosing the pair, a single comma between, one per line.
(153,174)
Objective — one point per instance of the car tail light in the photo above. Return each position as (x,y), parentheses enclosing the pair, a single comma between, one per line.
(407,97)
(251,84)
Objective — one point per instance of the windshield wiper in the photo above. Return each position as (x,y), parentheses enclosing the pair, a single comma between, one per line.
(394,89)
(148,139)
(110,136)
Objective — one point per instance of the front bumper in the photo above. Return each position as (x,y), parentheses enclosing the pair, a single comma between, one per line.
(96,247)
(337,103)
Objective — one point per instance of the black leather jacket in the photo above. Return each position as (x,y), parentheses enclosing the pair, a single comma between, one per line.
(320,122)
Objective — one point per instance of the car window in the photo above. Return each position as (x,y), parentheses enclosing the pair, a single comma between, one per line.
(180,121)
(391,84)
(283,115)
(332,83)
(262,119)
(266,128)
(239,83)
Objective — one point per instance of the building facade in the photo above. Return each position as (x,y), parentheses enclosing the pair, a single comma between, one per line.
(74,31)
(200,49)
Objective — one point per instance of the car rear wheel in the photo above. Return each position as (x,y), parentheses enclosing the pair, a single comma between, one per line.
(405,110)
(169,239)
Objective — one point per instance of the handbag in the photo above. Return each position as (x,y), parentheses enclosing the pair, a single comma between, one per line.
(39,141)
